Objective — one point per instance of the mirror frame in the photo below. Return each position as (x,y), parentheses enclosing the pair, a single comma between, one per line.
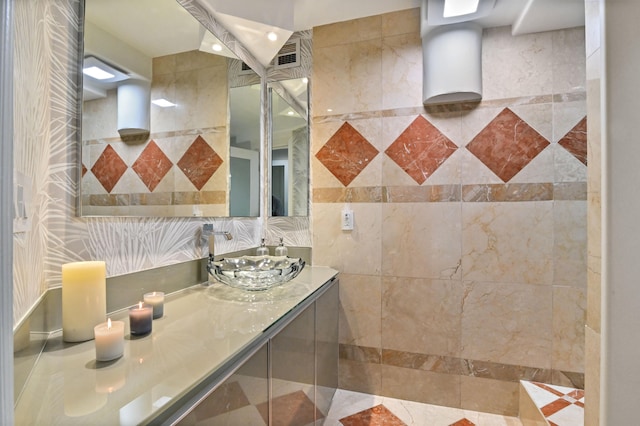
(207,20)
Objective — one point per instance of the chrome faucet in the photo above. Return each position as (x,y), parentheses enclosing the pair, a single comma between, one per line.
(207,231)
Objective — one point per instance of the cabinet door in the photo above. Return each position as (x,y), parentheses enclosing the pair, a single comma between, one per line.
(242,399)
(293,372)
(327,349)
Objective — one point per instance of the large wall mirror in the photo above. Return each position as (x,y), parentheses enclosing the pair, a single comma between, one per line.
(174,128)
(289,126)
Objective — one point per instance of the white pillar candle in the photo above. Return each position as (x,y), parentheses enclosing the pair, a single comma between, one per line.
(155,299)
(84,299)
(109,340)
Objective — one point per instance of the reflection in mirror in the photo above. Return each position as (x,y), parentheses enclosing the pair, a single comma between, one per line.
(155,137)
(289,115)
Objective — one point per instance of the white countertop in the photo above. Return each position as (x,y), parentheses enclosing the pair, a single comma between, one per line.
(202,328)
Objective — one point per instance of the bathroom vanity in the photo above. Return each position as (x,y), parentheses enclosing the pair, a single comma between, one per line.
(218,354)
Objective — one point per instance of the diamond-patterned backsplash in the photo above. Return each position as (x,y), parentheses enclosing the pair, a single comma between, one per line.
(420,149)
(346,154)
(506,145)
(199,163)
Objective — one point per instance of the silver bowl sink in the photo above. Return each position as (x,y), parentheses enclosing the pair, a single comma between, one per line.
(255,272)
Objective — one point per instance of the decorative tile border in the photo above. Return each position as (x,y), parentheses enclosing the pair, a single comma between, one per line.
(478,193)
(155,199)
(459,366)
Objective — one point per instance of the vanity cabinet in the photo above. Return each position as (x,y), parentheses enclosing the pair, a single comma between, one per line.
(289,379)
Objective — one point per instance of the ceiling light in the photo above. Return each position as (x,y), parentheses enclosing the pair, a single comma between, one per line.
(216,47)
(305,80)
(163,103)
(97,73)
(272,36)
(459,7)
(290,112)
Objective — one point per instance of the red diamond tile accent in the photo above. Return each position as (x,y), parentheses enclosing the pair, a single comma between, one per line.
(463,422)
(199,162)
(375,416)
(152,165)
(576,141)
(420,149)
(507,145)
(346,154)
(291,409)
(109,168)
(84,170)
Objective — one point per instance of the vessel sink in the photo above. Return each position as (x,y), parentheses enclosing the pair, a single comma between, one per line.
(255,272)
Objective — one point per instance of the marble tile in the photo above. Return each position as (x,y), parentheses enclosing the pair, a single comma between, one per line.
(421,386)
(570,191)
(421,240)
(360,376)
(289,409)
(568,168)
(108,168)
(346,154)
(360,353)
(575,141)
(508,242)
(570,243)
(199,162)
(530,59)
(338,75)
(378,415)
(420,149)
(569,306)
(348,195)
(152,165)
(594,293)
(401,22)
(428,194)
(592,378)
(421,315)
(350,252)
(401,70)
(360,310)
(568,61)
(507,192)
(507,144)
(347,32)
(507,323)
(491,396)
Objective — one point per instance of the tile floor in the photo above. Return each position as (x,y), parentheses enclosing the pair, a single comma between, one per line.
(561,406)
(359,409)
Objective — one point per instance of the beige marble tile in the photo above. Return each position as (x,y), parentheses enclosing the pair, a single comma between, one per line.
(100,117)
(401,22)
(347,32)
(360,377)
(402,71)
(594,221)
(592,26)
(538,116)
(163,119)
(527,410)
(594,296)
(569,60)
(569,306)
(507,323)
(350,252)
(594,137)
(473,121)
(421,315)
(529,57)
(349,76)
(473,171)
(508,242)
(421,240)
(592,378)
(421,386)
(565,117)
(567,167)
(539,169)
(570,243)
(489,396)
(360,310)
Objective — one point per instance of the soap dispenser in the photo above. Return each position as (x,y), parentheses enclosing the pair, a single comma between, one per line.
(281,250)
(262,250)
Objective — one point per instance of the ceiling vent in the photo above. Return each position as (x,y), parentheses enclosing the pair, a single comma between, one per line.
(289,55)
(245,69)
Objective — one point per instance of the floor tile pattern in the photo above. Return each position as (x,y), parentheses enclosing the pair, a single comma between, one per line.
(374,416)
(152,165)
(109,168)
(346,154)
(575,141)
(561,406)
(199,162)
(507,144)
(420,149)
(290,409)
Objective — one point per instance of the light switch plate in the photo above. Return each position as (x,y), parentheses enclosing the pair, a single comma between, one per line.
(347,220)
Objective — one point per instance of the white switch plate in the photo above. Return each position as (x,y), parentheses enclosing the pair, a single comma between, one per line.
(347,220)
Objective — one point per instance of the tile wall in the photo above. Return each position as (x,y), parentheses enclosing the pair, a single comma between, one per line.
(466,270)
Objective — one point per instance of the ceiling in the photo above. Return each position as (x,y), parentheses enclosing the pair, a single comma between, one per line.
(250,20)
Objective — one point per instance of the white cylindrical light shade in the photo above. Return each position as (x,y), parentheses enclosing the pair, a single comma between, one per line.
(452,59)
(134,105)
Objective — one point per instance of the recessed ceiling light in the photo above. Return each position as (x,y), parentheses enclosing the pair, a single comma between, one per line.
(290,113)
(329,110)
(272,36)
(216,47)
(163,103)
(305,80)
(97,73)
(459,7)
